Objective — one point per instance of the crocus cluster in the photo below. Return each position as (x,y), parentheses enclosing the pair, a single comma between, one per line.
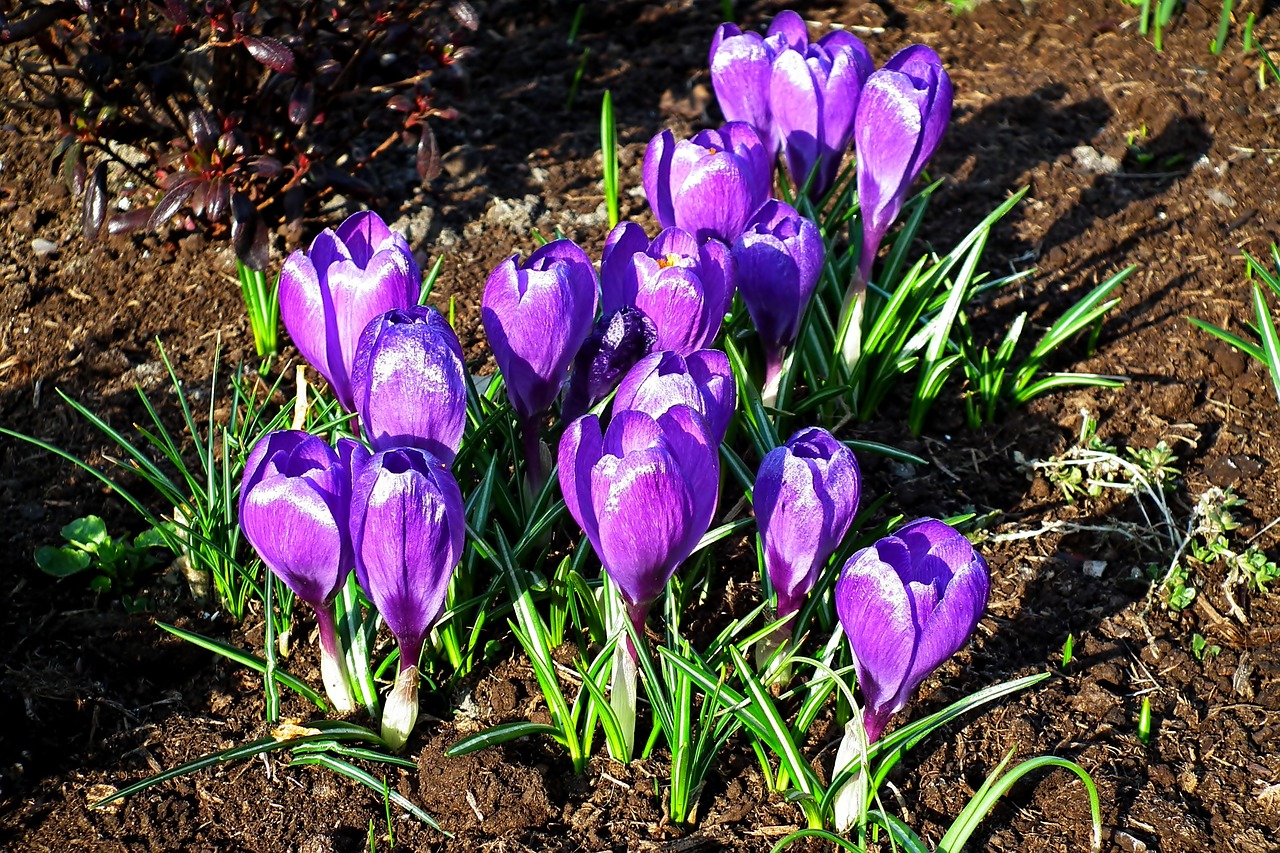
(391,510)
(800,96)
(707,192)
(809,100)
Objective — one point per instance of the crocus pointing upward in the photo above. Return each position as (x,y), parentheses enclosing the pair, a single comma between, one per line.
(536,316)
(294,502)
(330,292)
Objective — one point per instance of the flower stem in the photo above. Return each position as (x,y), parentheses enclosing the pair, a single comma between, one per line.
(400,713)
(333,665)
(773,362)
(532,455)
(855,299)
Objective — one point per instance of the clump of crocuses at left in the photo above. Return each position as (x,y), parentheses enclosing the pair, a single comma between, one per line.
(389,509)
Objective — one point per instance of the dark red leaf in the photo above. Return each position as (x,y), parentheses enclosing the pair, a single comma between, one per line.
(73,170)
(202,130)
(199,198)
(401,103)
(249,236)
(270,52)
(171,202)
(242,209)
(428,155)
(128,222)
(219,199)
(267,167)
(301,101)
(95,203)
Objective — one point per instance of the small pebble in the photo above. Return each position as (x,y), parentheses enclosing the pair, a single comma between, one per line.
(43,247)
(1220,198)
(1094,568)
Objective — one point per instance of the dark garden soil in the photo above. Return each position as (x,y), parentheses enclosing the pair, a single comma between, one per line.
(1164,161)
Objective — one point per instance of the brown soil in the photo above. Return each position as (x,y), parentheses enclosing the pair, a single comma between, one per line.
(97,696)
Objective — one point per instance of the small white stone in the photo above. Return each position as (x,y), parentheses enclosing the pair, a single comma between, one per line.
(1094,568)
(43,247)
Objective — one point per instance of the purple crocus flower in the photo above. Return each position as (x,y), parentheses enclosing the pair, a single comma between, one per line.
(907,603)
(410,382)
(294,500)
(644,492)
(621,338)
(742,65)
(805,496)
(702,380)
(536,316)
(683,285)
(330,292)
(813,94)
(407,529)
(780,257)
(708,185)
(903,112)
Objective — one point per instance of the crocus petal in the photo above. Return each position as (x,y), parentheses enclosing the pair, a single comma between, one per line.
(876,614)
(408,525)
(409,382)
(364,234)
(581,447)
(309,322)
(657,177)
(293,509)
(790,26)
(740,76)
(796,112)
(702,381)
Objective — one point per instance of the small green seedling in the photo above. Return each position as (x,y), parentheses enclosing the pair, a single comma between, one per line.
(1068,648)
(114,563)
(1200,647)
(1144,720)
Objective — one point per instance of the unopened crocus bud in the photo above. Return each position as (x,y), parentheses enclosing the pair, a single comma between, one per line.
(684,286)
(536,316)
(742,65)
(902,114)
(294,502)
(407,529)
(330,292)
(410,382)
(702,380)
(780,257)
(907,603)
(805,496)
(708,185)
(644,492)
(813,94)
(621,338)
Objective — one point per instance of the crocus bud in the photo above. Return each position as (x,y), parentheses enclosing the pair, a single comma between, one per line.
(621,338)
(685,287)
(813,94)
(902,114)
(410,382)
(708,185)
(907,603)
(536,316)
(330,292)
(702,380)
(644,492)
(407,528)
(805,496)
(780,257)
(741,66)
(294,501)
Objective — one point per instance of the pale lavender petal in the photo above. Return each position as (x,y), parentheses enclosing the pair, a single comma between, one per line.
(740,65)
(408,528)
(657,177)
(409,383)
(581,448)
(790,26)
(876,614)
